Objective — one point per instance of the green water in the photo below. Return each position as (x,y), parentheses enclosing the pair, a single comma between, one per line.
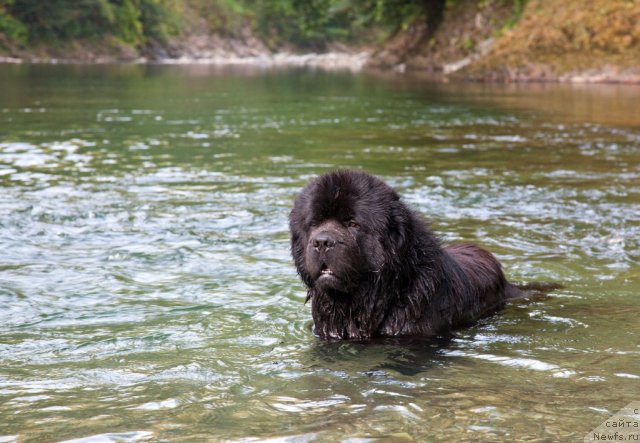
(146,288)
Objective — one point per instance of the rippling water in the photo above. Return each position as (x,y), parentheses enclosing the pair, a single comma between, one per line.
(146,289)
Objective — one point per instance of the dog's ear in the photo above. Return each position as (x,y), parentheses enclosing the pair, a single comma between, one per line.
(400,226)
(298,245)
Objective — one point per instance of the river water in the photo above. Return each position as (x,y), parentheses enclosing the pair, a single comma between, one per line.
(146,287)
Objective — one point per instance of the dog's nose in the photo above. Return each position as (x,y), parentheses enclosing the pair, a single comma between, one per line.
(323,241)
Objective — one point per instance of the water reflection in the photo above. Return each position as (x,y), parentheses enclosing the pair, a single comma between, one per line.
(406,356)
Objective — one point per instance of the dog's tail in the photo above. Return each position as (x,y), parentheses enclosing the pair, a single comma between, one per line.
(515,291)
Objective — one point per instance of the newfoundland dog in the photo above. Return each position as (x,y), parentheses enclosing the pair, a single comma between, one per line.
(373,268)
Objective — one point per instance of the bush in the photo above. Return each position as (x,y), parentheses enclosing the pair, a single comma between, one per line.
(12,28)
(133,21)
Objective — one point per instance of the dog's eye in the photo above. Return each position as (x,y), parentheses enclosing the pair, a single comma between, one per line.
(353,224)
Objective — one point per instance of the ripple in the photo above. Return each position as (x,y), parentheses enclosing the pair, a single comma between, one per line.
(126,437)
(147,290)
(521,363)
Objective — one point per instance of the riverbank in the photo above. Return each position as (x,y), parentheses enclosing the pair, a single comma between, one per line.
(576,41)
(328,61)
(202,45)
(360,61)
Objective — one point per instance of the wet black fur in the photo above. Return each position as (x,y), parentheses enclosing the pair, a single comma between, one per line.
(390,276)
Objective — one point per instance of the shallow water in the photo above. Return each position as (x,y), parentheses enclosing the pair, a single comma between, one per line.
(146,289)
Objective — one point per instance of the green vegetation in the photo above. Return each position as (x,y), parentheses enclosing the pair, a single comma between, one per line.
(134,22)
(300,23)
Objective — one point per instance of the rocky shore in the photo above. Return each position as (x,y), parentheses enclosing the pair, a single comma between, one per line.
(359,61)
(200,47)
(329,61)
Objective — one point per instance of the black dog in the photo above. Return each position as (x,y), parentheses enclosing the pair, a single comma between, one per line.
(373,268)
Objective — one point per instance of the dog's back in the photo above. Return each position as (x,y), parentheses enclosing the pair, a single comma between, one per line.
(477,285)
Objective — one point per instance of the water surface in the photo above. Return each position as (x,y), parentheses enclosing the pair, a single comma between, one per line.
(146,288)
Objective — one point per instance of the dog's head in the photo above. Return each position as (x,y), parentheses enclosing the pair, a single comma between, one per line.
(346,226)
